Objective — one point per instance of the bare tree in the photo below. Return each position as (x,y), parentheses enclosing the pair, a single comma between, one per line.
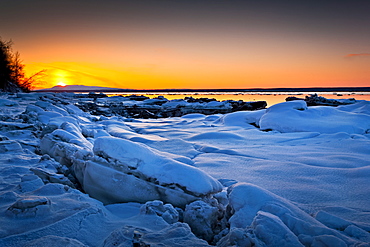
(12,76)
(5,64)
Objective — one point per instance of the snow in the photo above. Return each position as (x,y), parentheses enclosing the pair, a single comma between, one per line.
(298,118)
(289,175)
(6,102)
(135,165)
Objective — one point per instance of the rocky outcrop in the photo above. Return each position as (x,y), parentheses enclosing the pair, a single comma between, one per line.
(142,107)
(314,100)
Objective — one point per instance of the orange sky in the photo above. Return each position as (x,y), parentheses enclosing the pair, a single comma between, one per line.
(198,44)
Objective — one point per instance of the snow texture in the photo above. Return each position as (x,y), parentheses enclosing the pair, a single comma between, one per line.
(289,175)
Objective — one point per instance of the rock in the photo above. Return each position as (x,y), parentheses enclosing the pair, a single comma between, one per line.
(143,107)
(315,100)
(199,100)
(292,98)
(137,97)
(96,95)
(247,106)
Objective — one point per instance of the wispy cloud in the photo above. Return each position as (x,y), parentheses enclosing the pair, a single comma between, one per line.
(358,55)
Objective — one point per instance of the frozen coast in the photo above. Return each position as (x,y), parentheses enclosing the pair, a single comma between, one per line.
(288,175)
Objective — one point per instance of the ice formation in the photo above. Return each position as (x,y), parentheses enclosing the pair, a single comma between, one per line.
(289,175)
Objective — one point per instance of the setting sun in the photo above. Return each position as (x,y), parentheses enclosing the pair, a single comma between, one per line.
(61,84)
(182,45)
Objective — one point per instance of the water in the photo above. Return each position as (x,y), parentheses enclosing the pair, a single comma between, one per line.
(270,97)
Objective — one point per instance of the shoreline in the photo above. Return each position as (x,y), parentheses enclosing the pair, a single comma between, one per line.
(64,168)
(313,89)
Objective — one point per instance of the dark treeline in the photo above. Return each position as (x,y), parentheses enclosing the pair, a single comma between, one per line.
(12,75)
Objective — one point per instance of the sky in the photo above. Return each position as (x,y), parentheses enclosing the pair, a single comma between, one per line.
(161,44)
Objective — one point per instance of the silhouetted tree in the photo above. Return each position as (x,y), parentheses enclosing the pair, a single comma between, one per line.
(12,76)
(5,64)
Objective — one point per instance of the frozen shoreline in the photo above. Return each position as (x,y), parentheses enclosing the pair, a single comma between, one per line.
(286,175)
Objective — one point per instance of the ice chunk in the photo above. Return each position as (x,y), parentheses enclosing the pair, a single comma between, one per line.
(63,144)
(269,229)
(166,211)
(10,146)
(34,108)
(175,235)
(218,104)
(332,221)
(127,133)
(262,210)
(235,237)
(6,102)
(116,186)
(74,110)
(57,122)
(360,107)
(295,116)
(358,233)
(243,118)
(135,172)
(54,241)
(29,206)
(203,219)
(52,178)
(328,240)
(7,126)
(51,107)
(144,160)
(45,116)
(30,183)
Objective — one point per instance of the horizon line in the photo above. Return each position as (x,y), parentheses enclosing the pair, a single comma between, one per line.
(278,89)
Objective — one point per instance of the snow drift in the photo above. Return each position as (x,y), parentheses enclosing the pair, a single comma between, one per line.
(289,175)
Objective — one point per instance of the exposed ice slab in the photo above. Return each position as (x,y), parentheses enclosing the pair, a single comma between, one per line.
(128,165)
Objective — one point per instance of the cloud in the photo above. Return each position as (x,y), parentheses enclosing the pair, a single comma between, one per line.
(358,55)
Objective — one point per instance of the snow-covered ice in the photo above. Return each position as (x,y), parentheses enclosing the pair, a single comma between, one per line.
(289,175)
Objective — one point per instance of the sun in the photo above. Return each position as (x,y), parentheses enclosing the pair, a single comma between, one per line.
(61,84)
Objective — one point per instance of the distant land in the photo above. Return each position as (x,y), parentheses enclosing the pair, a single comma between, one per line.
(85,89)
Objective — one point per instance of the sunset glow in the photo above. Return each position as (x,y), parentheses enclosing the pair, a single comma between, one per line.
(197,44)
(61,84)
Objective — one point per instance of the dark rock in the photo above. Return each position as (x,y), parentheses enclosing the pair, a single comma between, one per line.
(95,95)
(315,100)
(152,108)
(198,100)
(137,97)
(293,98)
(247,106)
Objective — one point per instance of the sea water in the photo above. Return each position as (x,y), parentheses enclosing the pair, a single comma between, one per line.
(270,97)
